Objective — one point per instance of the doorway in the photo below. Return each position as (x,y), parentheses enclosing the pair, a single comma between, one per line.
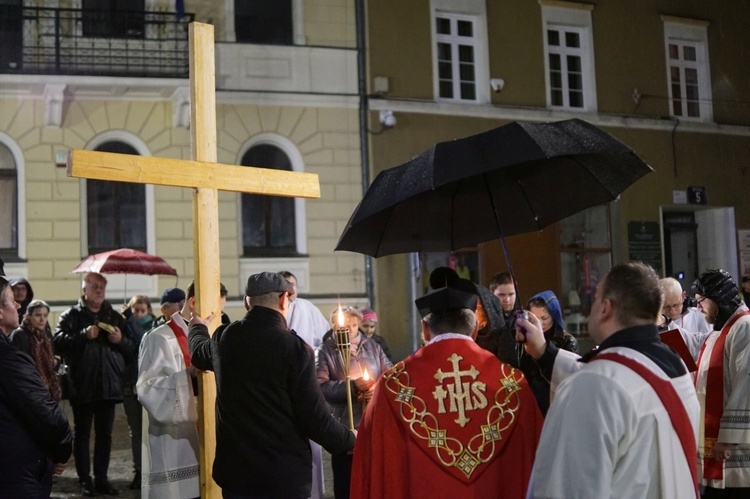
(695,239)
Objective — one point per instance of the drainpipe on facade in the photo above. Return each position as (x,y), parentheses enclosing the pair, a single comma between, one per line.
(363,139)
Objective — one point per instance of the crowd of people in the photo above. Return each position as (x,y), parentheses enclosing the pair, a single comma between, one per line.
(497,402)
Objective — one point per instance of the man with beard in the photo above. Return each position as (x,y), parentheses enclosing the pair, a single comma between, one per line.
(723,388)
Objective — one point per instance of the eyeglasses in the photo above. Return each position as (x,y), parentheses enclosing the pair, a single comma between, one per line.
(698,303)
(672,307)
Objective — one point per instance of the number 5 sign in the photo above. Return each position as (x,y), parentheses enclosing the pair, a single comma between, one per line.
(697,195)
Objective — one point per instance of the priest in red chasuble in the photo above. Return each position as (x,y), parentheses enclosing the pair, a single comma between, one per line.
(450,420)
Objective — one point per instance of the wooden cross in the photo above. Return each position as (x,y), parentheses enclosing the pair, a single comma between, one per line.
(206,177)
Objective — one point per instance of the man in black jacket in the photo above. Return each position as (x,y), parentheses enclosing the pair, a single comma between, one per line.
(268,399)
(89,336)
(35,437)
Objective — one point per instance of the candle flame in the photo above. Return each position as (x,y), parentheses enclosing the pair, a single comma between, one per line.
(340,317)
(366,375)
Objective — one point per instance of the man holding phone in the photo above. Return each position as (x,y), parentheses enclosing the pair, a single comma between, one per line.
(89,336)
(624,418)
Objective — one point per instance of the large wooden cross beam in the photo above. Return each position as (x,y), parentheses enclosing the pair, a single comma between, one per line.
(206,177)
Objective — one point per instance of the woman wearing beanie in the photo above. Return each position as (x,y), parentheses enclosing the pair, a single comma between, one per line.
(368,325)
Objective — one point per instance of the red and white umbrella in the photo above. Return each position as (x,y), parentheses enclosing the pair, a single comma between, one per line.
(125,261)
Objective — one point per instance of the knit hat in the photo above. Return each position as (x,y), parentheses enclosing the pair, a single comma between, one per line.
(368,314)
(719,286)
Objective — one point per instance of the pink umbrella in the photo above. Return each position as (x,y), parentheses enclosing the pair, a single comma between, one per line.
(125,261)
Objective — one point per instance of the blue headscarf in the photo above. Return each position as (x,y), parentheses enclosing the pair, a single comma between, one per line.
(553,306)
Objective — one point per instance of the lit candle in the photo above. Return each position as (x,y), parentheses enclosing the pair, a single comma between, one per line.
(340,318)
(366,375)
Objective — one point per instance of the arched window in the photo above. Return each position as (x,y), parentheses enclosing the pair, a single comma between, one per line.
(268,222)
(8,201)
(116,210)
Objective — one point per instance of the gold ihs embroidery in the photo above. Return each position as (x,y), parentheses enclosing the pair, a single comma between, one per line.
(464,394)
(459,392)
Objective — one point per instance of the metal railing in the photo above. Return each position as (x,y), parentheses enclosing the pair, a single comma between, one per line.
(38,40)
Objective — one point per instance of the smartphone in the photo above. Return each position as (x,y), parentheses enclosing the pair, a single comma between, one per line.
(521,314)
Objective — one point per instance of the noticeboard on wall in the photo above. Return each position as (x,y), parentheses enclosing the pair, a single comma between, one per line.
(644,243)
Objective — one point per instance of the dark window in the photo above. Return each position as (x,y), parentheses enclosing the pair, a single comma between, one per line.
(263,21)
(113,18)
(8,202)
(116,210)
(11,36)
(268,222)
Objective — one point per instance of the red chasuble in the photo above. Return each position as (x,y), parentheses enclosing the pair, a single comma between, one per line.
(449,421)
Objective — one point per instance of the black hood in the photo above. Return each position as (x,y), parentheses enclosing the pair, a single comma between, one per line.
(721,288)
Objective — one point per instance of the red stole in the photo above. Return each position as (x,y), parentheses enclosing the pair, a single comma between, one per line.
(714,468)
(181,340)
(673,405)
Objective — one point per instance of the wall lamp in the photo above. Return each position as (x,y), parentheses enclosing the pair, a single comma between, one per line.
(387,119)
(497,84)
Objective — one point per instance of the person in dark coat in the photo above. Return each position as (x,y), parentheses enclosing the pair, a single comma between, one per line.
(89,336)
(34,337)
(35,437)
(22,293)
(268,402)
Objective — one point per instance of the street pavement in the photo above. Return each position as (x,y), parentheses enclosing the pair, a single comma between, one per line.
(121,464)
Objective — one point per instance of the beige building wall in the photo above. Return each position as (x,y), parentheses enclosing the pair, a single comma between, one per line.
(326,139)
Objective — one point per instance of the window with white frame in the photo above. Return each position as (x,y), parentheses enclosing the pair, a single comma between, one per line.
(569,51)
(456,53)
(8,201)
(686,48)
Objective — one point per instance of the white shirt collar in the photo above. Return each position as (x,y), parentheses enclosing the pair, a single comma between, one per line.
(450,336)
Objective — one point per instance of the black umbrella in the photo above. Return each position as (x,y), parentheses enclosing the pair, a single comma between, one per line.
(517,178)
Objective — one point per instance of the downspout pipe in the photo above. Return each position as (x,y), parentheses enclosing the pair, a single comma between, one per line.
(364,146)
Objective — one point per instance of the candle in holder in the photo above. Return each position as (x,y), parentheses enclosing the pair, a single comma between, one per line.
(344,346)
(366,377)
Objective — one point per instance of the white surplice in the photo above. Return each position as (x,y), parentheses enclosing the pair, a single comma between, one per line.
(310,325)
(607,433)
(735,420)
(170,436)
(307,321)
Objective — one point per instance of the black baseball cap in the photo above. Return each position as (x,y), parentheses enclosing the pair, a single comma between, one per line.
(172,295)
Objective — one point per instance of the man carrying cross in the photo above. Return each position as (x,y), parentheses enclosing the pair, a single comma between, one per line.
(450,420)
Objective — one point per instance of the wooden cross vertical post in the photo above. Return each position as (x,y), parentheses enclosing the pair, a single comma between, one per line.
(205,230)
(206,177)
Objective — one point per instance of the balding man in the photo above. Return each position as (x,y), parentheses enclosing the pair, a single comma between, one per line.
(89,335)
(688,318)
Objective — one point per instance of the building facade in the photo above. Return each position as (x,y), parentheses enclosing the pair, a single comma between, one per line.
(112,76)
(669,79)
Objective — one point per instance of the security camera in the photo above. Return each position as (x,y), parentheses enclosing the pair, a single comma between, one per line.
(497,84)
(387,119)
